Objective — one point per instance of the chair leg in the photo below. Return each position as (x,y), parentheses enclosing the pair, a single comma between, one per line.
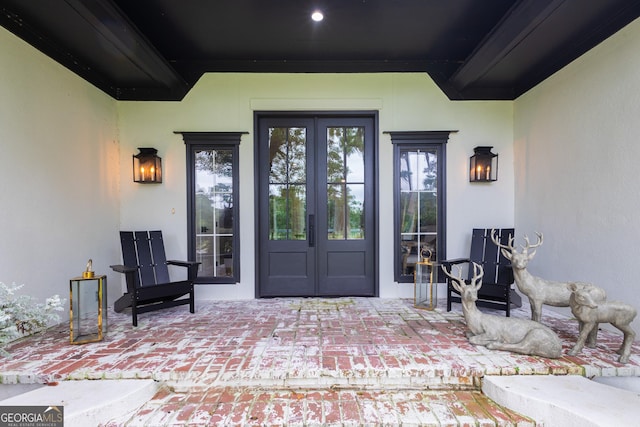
(192,305)
(508,302)
(448,298)
(134,313)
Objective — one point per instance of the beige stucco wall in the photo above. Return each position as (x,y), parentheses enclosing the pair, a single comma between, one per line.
(576,148)
(59,163)
(227,102)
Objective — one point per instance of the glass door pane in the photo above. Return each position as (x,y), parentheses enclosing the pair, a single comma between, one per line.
(345,183)
(287,183)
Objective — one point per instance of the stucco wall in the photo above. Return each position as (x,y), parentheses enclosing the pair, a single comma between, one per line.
(59,162)
(576,149)
(227,102)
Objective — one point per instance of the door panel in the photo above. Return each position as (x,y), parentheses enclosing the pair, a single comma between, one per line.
(345,214)
(316,213)
(286,262)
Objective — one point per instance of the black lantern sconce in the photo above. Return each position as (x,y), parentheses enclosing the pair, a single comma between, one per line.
(147,166)
(483,165)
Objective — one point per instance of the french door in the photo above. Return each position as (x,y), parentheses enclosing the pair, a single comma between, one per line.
(316,207)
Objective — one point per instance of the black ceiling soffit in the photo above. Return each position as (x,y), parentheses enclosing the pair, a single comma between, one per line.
(158,49)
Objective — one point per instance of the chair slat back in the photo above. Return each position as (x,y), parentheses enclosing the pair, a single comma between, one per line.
(145,260)
(129,254)
(145,250)
(159,257)
(497,268)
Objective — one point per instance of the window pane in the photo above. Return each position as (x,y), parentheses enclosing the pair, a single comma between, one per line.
(355,194)
(204,254)
(418,170)
(345,159)
(414,248)
(278,224)
(297,155)
(278,155)
(335,155)
(428,212)
(287,184)
(297,212)
(409,212)
(287,212)
(336,227)
(354,148)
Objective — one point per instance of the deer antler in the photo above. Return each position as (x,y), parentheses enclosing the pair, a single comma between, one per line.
(478,273)
(457,281)
(530,246)
(509,246)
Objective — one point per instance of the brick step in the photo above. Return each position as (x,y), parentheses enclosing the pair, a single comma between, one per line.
(278,406)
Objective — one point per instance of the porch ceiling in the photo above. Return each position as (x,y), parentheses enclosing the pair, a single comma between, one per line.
(158,49)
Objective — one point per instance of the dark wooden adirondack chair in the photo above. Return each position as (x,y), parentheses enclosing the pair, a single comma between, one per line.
(496,291)
(149,287)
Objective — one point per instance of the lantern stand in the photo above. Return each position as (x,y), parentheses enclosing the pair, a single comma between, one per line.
(425,291)
(87,307)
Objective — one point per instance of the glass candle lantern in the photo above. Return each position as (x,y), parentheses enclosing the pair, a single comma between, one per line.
(88,308)
(425,291)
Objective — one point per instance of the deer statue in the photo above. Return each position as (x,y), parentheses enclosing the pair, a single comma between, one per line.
(590,312)
(539,291)
(522,336)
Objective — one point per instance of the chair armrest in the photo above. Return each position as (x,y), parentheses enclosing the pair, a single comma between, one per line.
(183,263)
(450,262)
(123,268)
(192,267)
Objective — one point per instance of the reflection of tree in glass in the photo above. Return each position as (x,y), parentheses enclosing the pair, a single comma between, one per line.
(214,204)
(287,183)
(218,162)
(287,152)
(342,144)
(418,200)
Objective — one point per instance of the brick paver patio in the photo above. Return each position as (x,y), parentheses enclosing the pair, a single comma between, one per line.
(305,361)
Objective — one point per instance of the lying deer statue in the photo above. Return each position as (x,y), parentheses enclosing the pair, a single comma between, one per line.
(522,336)
(539,291)
(590,312)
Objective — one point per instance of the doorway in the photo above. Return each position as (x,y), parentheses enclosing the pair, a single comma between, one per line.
(316,207)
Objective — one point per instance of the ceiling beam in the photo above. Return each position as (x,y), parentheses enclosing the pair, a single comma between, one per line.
(126,39)
(520,21)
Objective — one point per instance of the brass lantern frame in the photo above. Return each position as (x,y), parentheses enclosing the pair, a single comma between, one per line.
(425,293)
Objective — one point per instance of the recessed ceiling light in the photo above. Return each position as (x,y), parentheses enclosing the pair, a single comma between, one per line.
(317,16)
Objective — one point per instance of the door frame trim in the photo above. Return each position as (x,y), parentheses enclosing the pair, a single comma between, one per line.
(372,114)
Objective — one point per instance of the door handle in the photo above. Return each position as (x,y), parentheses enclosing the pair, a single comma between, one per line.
(312,231)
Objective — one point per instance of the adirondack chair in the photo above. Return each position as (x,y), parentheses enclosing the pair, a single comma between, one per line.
(496,291)
(149,287)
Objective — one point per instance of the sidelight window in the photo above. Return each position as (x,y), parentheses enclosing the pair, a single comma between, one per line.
(419,208)
(212,205)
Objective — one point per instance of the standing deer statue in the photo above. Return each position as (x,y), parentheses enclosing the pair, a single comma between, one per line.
(540,291)
(589,313)
(522,336)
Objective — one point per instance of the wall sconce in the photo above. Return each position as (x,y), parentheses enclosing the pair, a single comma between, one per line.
(147,166)
(483,165)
